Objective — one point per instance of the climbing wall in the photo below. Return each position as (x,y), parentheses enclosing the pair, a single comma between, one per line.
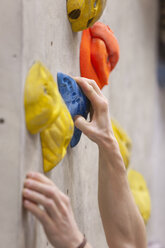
(33,30)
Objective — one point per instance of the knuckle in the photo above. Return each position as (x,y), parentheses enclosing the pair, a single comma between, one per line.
(92,82)
(90,88)
(49,203)
(106,100)
(64,210)
(67,201)
(43,216)
(62,195)
(104,104)
(51,191)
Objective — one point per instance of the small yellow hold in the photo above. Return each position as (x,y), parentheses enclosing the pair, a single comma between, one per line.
(140,192)
(46,112)
(123,140)
(83,14)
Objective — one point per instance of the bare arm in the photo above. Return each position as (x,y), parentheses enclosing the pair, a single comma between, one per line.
(122,222)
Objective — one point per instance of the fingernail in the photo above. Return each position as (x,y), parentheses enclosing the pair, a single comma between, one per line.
(26,192)
(28,182)
(30,174)
(26,203)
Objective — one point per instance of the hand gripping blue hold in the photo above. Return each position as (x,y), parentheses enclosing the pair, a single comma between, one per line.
(76,101)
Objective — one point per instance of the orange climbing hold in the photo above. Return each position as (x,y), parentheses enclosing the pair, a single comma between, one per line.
(99,53)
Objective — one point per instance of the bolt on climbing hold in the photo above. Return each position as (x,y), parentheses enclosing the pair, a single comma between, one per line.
(82,14)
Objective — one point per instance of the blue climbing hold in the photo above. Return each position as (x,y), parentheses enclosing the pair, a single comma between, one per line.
(76,101)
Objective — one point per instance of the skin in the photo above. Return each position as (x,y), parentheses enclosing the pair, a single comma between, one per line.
(122,222)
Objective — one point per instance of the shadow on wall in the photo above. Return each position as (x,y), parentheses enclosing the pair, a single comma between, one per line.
(162,101)
(161,44)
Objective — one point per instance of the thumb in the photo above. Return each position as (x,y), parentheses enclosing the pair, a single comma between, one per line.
(81,123)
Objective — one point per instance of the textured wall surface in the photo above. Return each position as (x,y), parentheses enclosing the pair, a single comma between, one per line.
(10,127)
(33,30)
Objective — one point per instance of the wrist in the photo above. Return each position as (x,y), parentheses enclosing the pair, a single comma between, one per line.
(76,241)
(109,153)
(83,243)
(107,144)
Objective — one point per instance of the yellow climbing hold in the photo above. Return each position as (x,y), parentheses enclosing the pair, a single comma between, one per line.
(123,140)
(83,14)
(46,112)
(56,138)
(140,192)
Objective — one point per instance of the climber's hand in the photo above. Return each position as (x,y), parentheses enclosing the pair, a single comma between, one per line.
(53,209)
(99,128)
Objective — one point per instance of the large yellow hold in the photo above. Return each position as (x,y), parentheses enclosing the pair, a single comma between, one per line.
(46,112)
(123,140)
(83,14)
(140,192)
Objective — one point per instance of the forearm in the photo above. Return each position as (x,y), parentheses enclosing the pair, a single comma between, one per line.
(121,219)
(123,225)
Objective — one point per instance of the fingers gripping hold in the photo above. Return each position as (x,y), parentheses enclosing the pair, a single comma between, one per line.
(91,90)
(99,126)
(48,191)
(82,124)
(95,86)
(49,196)
(56,216)
(38,213)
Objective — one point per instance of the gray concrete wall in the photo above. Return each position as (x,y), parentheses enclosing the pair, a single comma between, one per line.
(10,113)
(39,30)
